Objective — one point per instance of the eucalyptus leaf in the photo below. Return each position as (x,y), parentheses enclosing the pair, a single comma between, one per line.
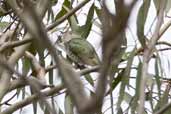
(3,26)
(89,79)
(157,77)
(157,5)
(68,105)
(136,96)
(125,78)
(51,75)
(168,6)
(164,100)
(26,65)
(66,7)
(142,16)
(87,27)
(98,12)
(120,111)
(127,97)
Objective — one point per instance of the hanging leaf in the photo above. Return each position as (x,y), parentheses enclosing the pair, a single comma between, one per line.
(142,16)
(168,6)
(158,2)
(125,78)
(157,5)
(34,103)
(60,14)
(26,65)
(54,2)
(60,112)
(50,15)
(68,104)
(85,29)
(127,97)
(46,111)
(136,96)
(3,26)
(118,79)
(63,10)
(51,75)
(89,79)
(120,111)
(157,77)
(98,12)
(164,100)
(66,7)
(41,57)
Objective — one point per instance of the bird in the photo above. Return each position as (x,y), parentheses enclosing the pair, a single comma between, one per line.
(81,52)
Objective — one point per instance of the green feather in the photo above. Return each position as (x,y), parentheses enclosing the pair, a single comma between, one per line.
(82,52)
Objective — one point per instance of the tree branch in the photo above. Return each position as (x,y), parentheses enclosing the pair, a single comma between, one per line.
(36,28)
(30,99)
(147,55)
(19,51)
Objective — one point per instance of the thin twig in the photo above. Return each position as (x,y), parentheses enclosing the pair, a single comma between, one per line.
(15,56)
(37,30)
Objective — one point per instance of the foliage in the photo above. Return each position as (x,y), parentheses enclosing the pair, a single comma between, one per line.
(77,56)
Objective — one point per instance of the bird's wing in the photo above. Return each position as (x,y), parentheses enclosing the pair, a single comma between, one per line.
(80,47)
(84,51)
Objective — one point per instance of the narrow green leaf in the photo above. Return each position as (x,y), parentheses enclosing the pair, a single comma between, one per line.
(63,10)
(18,92)
(60,14)
(128,97)
(138,79)
(47,111)
(51,75)
(157,4)
(66,7)
(68,105)
(87,27)
(90,15)
(136,96)
(151,98)
(142,15)
(128,67)
(157,77)
(118,79)
(53,103)
(72,20)
(121,93)
(125,78)
(26,65)
(50,15)
(34,103)
(120,111)
(89,79)
(98,12)
(168,6)
(164,100)
(54,2)
(41,57)
(60,112)
(3,25)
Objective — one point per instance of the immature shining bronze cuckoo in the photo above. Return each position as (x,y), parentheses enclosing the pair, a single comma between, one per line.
(80,51)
